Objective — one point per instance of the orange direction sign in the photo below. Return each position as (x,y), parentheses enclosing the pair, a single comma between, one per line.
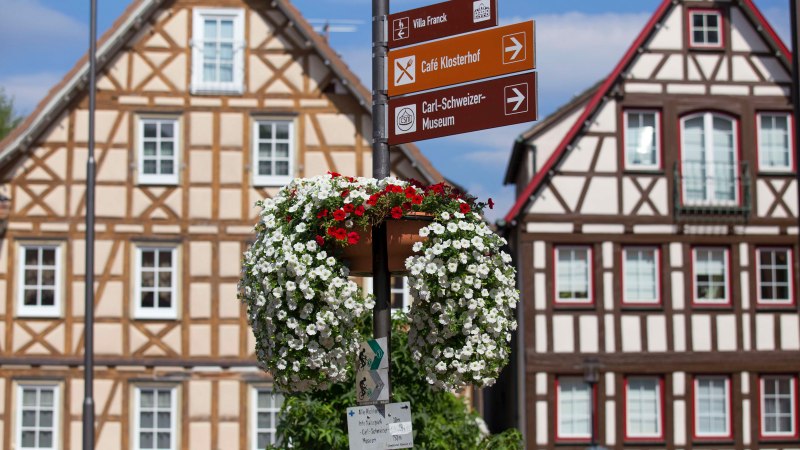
(469,57)
(473,107)
(440,20)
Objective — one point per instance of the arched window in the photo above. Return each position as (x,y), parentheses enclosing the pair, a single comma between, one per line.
(709,159)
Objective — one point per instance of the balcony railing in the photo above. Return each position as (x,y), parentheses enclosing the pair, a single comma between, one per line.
(707,192)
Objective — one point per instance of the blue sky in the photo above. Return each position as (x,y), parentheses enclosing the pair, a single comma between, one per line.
(578,42)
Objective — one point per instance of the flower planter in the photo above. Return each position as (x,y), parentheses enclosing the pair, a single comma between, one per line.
(401,235)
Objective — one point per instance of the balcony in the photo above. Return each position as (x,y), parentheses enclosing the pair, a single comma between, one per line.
(712,192)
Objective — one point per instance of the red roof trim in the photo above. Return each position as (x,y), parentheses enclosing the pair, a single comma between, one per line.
(609,82)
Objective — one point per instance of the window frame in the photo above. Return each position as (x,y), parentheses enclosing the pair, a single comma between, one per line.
(590,301)
(592,405)
(658,301)
(660,408)
(39,311)
(254,410)
(20,387)
(763,435)
(136,426)
(690,29)
(157,179)
(787,303)
(787,170)
(155,313)
(658,166)
(708,150)
(728,407)
(272,180)
(200,86)
(728,300)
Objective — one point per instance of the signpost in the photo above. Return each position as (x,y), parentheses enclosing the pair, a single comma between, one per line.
(372,372)
(380,427)
(473,107)
(489,53)
(440,20)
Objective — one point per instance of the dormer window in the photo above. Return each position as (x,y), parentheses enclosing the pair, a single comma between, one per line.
(705,29)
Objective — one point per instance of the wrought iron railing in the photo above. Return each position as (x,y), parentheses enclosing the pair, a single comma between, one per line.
(707,192)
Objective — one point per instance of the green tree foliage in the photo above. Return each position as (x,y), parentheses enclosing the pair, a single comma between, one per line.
(8,118)
(441,420)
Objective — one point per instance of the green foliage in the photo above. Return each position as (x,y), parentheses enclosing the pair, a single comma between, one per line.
(8,118)
(441,421)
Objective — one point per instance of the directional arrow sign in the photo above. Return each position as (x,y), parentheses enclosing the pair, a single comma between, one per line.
(473,107)
(461,59)
(440,20)
(371,355)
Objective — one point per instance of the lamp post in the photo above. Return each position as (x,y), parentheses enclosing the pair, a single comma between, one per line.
(591,375)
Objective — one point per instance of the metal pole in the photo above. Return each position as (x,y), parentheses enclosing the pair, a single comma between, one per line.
(795,10)
(88,343)
(381,315)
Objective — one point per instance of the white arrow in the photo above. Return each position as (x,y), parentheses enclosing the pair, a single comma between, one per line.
(519,99)
(516,48)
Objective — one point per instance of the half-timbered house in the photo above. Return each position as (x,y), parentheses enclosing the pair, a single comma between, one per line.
(655,232)
(203,107)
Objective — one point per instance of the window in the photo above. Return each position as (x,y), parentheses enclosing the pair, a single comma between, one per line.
(642,138)
(705,29)
(641,277)
(574,409)
(709,166)
(775,142)
(775,285)
(158,151)
(778,407)
(156,281)
(712,407)
(266,406)
(399,293)
(273,152)
(573,275)
(37,417)
(711,276)
(643,399)
(154,421)
(39,281)
(218,50)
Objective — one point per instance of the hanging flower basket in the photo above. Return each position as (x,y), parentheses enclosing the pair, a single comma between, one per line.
(401,235)
(304,308)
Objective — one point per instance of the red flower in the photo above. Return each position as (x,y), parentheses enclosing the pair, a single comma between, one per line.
(353,238)
(288,218)
(491,204)
(348,208)
(417,200)
(359,210)
(410,192)
(345,193)
(373,200)
(331,231)
(320,240)
(351,179)
(392,188)
(407,206)
(323,213)
(397,212)
(339,214)
(340,234)
(334,174)
(465,208)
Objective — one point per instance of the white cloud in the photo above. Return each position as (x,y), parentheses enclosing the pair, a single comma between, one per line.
(29,23)
(29,89)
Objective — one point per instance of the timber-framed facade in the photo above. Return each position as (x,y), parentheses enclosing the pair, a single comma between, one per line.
(655,234)
(203,107)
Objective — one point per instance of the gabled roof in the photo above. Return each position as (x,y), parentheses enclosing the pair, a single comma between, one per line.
(125,28)
(519,145)
(602,93)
